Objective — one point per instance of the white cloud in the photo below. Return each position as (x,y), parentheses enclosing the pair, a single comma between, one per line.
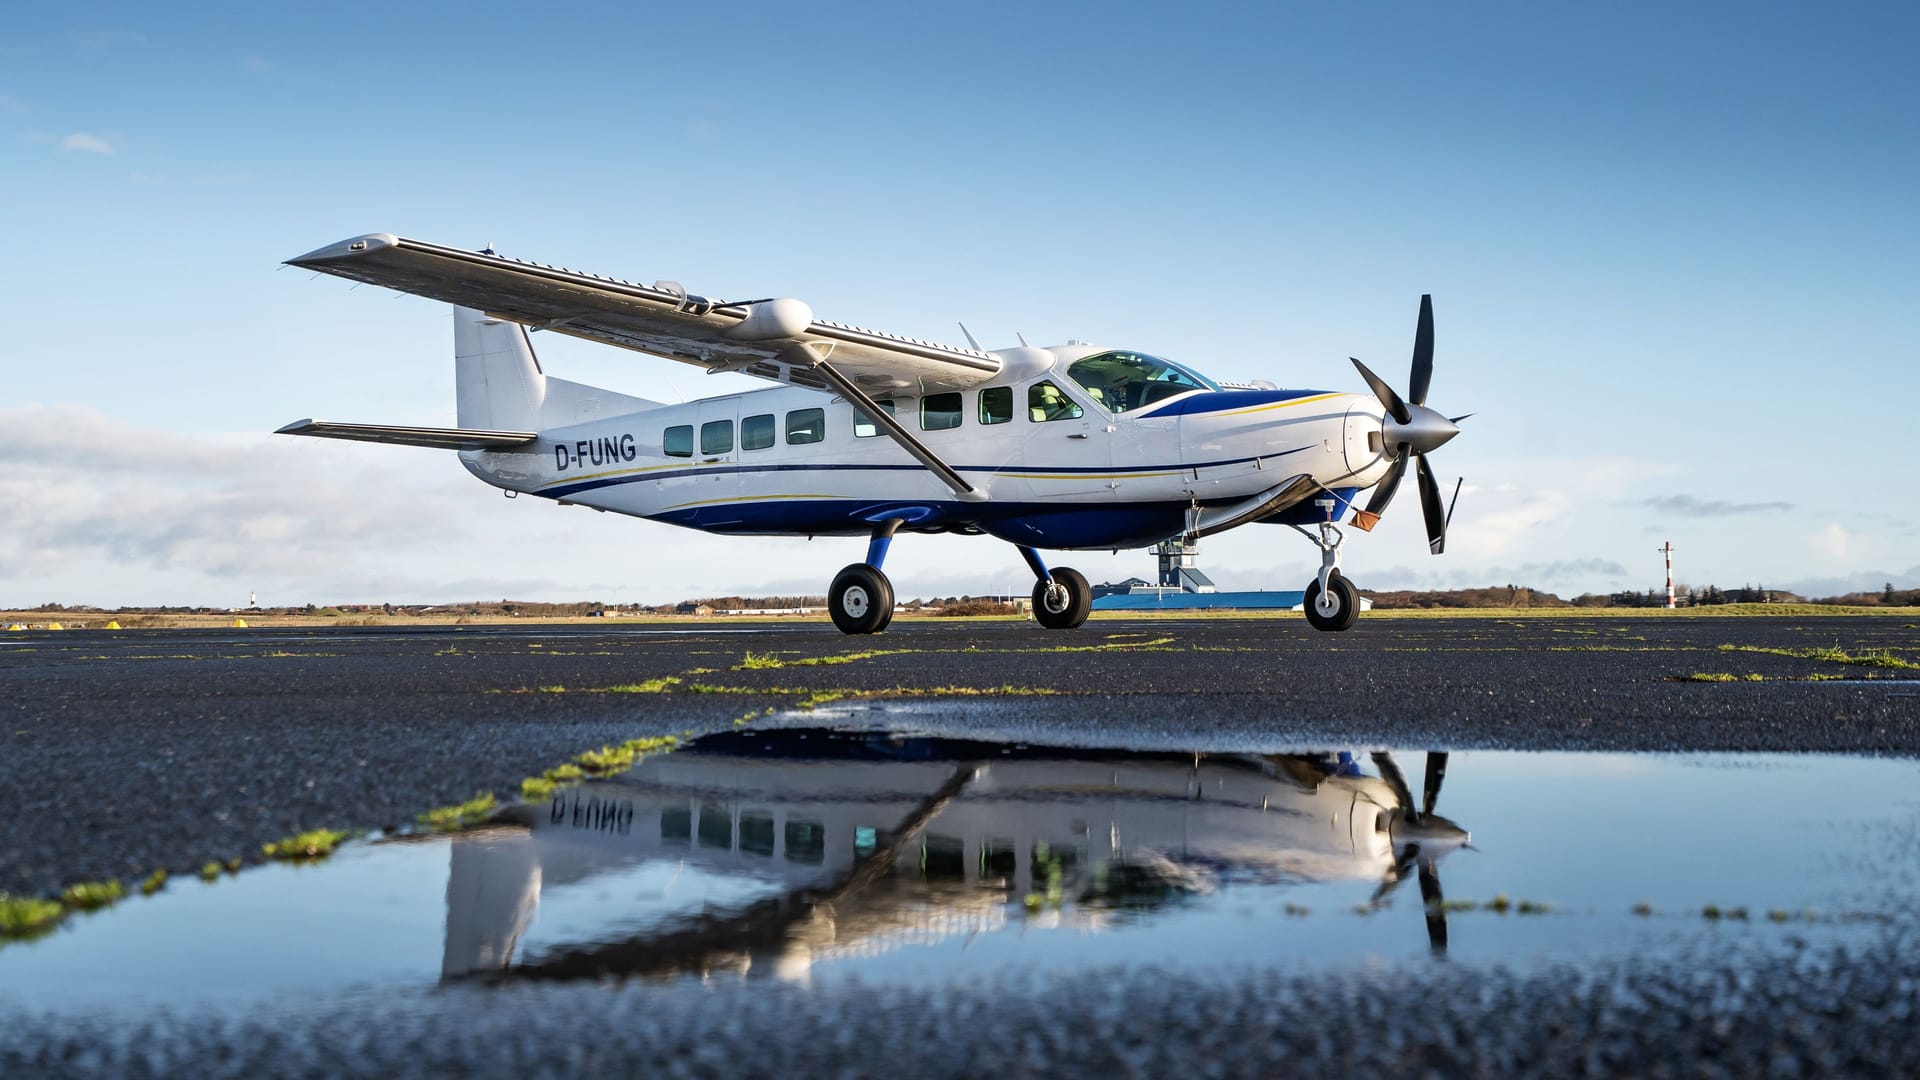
(1693,506)
(86,143)
(1857,581)
(1833,540)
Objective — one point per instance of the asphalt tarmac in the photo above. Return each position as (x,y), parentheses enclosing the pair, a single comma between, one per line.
(130,751)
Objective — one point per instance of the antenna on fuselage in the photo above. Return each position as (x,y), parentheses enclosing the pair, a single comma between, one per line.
(970,338)
(1023,339)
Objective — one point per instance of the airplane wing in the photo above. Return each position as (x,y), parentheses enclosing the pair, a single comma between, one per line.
(398,435)
(756,337)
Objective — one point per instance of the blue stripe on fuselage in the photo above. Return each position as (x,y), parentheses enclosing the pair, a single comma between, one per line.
(563,490)
(1036,524)
(1195,404)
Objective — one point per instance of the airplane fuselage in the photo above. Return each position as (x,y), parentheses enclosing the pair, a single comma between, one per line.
(1055,468)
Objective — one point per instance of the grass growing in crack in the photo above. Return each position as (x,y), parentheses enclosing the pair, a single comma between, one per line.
(768,661)
(612,759)
(300,847)
(651,686)
(23,917)
(1155,645)
(92,895)
(460,815)
(210,871)
(154,883)
(1832,654)
(1722,676)
(537,789)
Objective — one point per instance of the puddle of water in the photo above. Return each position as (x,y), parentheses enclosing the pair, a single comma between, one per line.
(802,855)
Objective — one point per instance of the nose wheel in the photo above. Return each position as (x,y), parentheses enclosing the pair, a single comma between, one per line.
(1332,601)
(1334,607)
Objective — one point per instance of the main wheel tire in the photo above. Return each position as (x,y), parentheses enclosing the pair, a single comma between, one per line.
(1335,609)
(860,600)
(1063,601)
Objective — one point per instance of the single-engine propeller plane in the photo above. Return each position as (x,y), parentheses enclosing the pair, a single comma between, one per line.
(1062,448)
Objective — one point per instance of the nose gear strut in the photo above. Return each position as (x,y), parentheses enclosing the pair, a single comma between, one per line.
(1332,603)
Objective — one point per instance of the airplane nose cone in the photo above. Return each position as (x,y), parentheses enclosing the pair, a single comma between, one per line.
(1425,431)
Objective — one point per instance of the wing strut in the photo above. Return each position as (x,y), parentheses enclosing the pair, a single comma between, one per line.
(798,355)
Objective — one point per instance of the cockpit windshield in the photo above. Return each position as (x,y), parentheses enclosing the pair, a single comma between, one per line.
(1125,381)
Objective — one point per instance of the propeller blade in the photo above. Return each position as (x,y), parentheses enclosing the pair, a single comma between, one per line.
(1436,775)
(1422,375)
(1451,503)
(1431,506)
(1397,780)
(1383,491)
(1394,406)
(1436,905)
(1396,874)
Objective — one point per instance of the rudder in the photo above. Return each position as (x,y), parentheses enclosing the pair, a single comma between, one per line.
(497,379)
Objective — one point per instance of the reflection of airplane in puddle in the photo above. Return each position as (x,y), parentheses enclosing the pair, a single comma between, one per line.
(771,852)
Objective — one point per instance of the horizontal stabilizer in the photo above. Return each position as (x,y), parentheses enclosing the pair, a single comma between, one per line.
(437,437)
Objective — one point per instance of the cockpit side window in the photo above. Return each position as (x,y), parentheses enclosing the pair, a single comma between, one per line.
(1125,381)
(1045,402)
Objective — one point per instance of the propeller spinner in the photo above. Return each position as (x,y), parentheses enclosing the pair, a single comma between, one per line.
(1411,430)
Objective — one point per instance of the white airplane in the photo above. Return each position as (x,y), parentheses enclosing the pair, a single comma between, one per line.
(1069,447)
(803,846)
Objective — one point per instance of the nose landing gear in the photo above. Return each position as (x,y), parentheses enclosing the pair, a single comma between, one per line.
(1332,601)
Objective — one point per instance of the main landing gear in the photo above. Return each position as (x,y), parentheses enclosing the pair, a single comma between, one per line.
(1062,599)
(861,598)
(1332,601)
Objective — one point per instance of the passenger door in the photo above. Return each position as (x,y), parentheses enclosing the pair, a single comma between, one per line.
(1066,442)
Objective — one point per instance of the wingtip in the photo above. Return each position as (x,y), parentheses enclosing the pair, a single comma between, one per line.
(294,428)
(351,247)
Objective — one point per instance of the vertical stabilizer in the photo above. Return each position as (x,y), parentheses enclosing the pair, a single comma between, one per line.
(496,377)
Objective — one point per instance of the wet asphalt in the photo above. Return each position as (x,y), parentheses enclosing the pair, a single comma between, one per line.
(130,751)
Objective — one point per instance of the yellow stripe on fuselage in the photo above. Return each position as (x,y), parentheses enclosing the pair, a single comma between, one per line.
(751,498)
(613,472)
(1271,406)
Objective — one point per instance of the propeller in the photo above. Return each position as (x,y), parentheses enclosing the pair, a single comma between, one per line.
(1421,837)
(1411,430)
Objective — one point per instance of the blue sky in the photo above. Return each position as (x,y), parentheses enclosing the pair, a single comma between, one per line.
(1674,255)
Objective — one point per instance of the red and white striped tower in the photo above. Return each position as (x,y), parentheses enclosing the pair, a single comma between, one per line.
(1668,549)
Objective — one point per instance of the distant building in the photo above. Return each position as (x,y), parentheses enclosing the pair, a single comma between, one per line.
(1183,585)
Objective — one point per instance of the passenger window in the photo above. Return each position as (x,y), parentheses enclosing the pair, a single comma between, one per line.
(806,426)
(716,826)
(676,826)
(756,432)
(716,437)
(678,441)
(756,832)
(863,425)
(1046,402)
(938,412)
(996,404)
(806,841)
